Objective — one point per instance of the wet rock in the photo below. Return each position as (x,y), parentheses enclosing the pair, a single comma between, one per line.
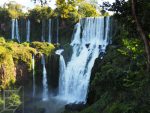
(87,45)
(53,72)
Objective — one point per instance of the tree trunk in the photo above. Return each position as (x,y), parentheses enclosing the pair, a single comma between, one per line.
(142,35)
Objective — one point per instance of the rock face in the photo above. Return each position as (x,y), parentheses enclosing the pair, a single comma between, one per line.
(14,71)
(91,94)
(23,75)
(53,72)
(38,72)
(18,72)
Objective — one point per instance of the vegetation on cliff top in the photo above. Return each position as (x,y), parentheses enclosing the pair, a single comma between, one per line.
(43,47)
(12,52)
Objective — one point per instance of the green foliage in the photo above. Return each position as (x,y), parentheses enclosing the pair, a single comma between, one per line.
(2,40)
(132,47)
(14,99)
(122,73)
(11,53)
(4,14)
(7,69)
(87,10)
(39,13)
(124,15)
(124,80)
(75,9)
(14,9)
(66,10)
(118,107)
(1,103)
(18,52)
(22,52)
(43,47)
(99,105)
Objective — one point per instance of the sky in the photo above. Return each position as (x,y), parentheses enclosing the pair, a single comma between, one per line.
(29,4)
(26,3)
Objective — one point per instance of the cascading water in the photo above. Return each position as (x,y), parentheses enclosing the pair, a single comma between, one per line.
(45,85)
(15,30)
(49,31)
(43,31)
(33,69)
(89,39)
(57,30)
(12,28)
(28,31)
(62,68)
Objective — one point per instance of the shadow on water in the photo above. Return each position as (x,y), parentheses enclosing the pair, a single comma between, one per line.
(37,105)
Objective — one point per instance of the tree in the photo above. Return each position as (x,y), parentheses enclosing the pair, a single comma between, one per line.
(87,10)
(14,9)
(39,13)
(66,9)
(142,34)
(134,15)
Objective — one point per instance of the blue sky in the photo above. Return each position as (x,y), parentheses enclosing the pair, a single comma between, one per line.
(29,4)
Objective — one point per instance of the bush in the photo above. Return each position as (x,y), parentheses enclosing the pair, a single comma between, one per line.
(14,100)
(43,47)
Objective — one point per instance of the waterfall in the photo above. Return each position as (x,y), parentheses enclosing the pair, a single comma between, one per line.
(12,28)
(62,68)
(49,31)
(33,69)
(43,31)
(28,31)
(15,30)
(89,40)
(45,85)
(57,30)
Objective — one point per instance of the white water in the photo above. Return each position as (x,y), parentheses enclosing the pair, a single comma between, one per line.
(49,31)
(62,68)
(12,28)
(43,31)
(28,31)
(33,74)
(45,85)
(15,30)
(86,48)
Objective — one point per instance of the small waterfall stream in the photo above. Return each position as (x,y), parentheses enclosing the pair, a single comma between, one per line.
(28,31)
(45,85)
(12,28)
(43,31)
(90,38)
(49,31)
(33,69)
(15,30)
(62,68)
(57,36)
